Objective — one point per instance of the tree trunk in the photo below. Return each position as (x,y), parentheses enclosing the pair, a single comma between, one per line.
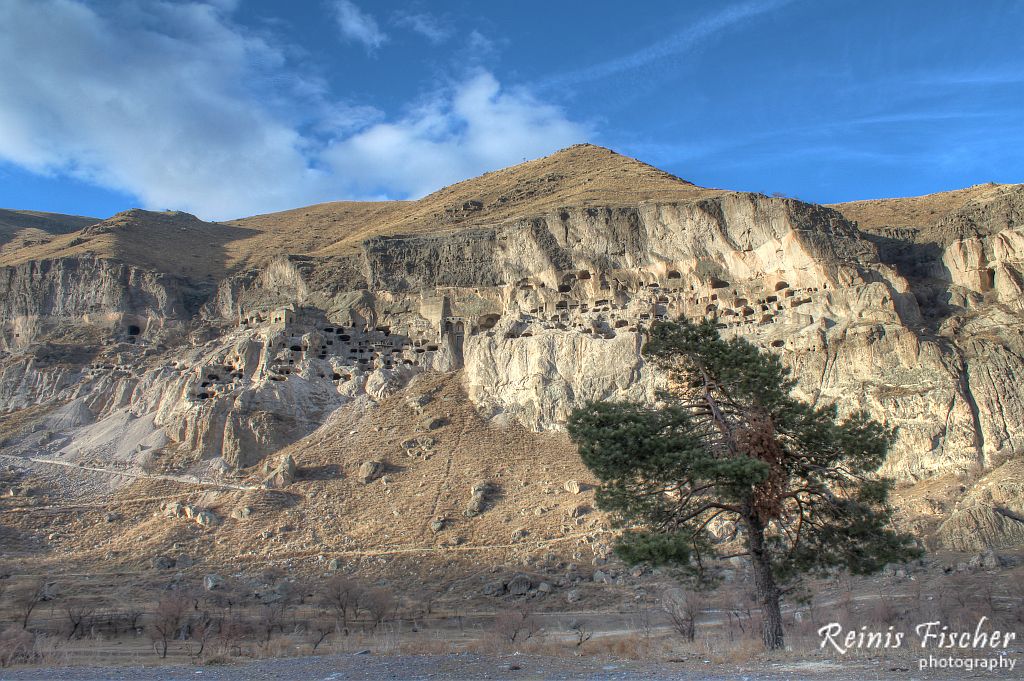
(768,595)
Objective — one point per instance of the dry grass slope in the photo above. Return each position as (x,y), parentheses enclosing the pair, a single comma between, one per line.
(924,213)
(181,244)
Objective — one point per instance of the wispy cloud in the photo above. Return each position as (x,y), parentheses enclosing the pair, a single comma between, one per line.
(677,43)
(979,77)
(357,25)
(427,25)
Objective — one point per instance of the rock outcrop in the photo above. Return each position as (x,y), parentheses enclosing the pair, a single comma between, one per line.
(536,284)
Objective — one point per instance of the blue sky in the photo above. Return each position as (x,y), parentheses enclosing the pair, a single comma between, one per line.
(228,108)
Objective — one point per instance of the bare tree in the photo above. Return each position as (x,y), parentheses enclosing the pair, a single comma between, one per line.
(26,597)
(233,630)
(272,615)
(343,597)
(581,631)
(380,604)
(202,628)
(78,611)
(515,626)
(683,608)
(132,617)
(320,627)
(170,615)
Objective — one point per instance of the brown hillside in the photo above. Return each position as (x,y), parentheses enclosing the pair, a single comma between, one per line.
(329,512)
(180,243)
(26,227)
(173,242)
(578,175)
(927,214)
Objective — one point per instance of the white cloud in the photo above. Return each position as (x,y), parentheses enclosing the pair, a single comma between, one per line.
(155,105)
(357,25)
(473,127)
(172,103)
(427,25)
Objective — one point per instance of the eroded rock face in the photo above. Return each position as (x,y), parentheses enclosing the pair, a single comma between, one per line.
(991,515)
(541,314)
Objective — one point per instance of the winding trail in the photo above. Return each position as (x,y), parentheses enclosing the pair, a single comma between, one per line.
(183,479)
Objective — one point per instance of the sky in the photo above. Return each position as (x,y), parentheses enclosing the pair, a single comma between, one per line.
(228,108)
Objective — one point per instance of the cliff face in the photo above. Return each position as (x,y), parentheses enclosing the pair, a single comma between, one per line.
(540,307)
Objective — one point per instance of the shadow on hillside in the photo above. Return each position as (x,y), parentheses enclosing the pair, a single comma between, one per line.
(330,471)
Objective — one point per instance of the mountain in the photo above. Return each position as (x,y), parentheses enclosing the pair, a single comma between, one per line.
(351,381)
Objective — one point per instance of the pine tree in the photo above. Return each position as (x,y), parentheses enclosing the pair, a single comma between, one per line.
(728,450)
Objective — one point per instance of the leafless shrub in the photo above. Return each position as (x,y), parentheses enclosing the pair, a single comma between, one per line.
(515,626)
(380,604)
(132,616)
(319,628)
(234,630)
(683,607)
(343,597)
(169,616)
(271,616)
(739,613)
(17,646)
(201,629)
(581,632)
(26,597)
(78,612)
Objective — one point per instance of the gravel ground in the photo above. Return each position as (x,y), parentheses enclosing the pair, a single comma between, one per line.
(475,666)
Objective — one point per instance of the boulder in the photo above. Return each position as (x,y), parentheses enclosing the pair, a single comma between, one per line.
(989,560)
(579,511)
(573,595)
(495,588)
(370,471)
(437,524)
(241,512)
(282,475)
(213,582)
(519,585)
(417,402)
(573,487)
(478,499)
(174,509)
(206,518)
(163,563)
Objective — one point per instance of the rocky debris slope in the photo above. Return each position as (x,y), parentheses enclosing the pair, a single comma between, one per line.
(160,341)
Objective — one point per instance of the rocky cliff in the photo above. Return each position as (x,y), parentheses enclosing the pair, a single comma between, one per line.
(159,340)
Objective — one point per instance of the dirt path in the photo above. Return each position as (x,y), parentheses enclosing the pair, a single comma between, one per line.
(183,479)
(284,556)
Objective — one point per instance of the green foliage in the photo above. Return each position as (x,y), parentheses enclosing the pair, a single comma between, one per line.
(655,549)
(728,445)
